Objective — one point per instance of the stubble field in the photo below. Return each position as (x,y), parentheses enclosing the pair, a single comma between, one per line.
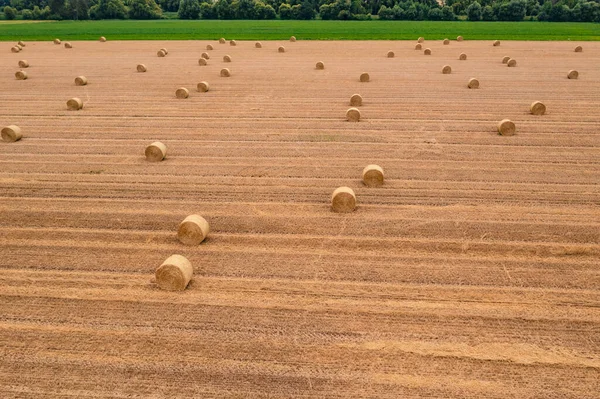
(473,272)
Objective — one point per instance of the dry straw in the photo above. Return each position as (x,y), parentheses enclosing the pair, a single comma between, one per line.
(462,57)
(226,58)
(320,65)
(165,50)
(74,104)
(473,83)
(81,81)
(390,54)
(23,64)
(364,77)
(353,115)
(505,59)
(373,176)
(222,40)
(161,53)
(203,87)
(512,63)
(102,39)
(19,47)
(21,75)
(281,49)
(418,46)
(459,39)
(446,69)
(578,49)
(573,74)
(174,274)
(193,230)
(446,42)
(343,200)
(205,56)
(225,73)
(21,43)
(537,108)
(56,41)
(202,62)
(293,39)
(141,68)
(182,93)
(68,45)
(506,127)
(11,133)
(356,100)
(258,45)
(496,43)
(232,43)
(155,152)
(421,40)
(209,47)
(427,51)
(14,49)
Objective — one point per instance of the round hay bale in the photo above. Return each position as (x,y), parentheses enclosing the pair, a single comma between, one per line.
(165,50)
(161,53)
(281,49)
(427,51)
(182,93)
(22,44)
(202,62)
(506,127)
(68,45)
(155,152)
(23,64)
(81,81)
(446,42)
(141,68)
(578,49)
(21,75)
(420,40)
(473,83)
(293,39)
(356,100)
(320,65)
(459,39)
(203,87)
(226,58)
(573,74)
(353,115)
(418,46)
(11,133)
(205,56)
(343,200)
(390,54)
(222,40)
(225,73)
(232,43)
(373,176)
(537,108)
(462,57)
(364,77)
(512,63)
(102,39)
(258,45)
(56,41)
(447,70)
(19,47)
(209,47)
(505,59)
(14,49)
(174,274)
(74,104)
(496,43)
(193,230)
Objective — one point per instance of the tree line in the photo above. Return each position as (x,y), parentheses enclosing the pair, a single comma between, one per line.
(416,10)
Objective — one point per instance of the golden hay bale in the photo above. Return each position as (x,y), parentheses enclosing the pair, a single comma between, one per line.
(462,57)
(203,87)
(155,152)
(373,176)
(390,54)
(573,74)
(225,73)
(165,51)
(193,230)
(427,51)
(506,127)
(23,64)
(537,108)
(81,81)
(505,59)
(19,47)
(22,44)
(418,46)
(459,39)
(56,41)
(446,42)
(496,43)
(364,77)
(343,200)
(420,40)
(21,75)
(446,69)
(102,39)
(356,100)
(473,83)
(174,274)
(232,43)
(14,49)
(293,39)
(512,63)
(182,93)
(209,47)
(320,65)
(161,53)
(68,45)
(74,104)
(353,115)
(222,40)
(205,56)
(258,45)
(226,58)
(578,49)
(281,49)
(141,68)
(11,133)
(202,62)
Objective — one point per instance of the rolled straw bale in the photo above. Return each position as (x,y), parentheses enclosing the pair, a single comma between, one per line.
(447,69)
(182,93)
(281,49)
(537,108)
(512,63)
(56,41)
(22,44)
(258,45)
(462,57)
(141,68)
(390,54)
(14,49)
(19,47)
(427,51)
(353,115)
(21,75)
(102,39)
(165,50)
(364,77)
(506,127)
(418,46)
(505,59)
(155,152)
(68,45)
(11,133)
(473,83)
(320,65)
(74,104)
(459,39)
(356,100)
(222,40)
(23,64)
(225,73)
(205,56)
(446,42)
(174,274)
(203,87)
(343,200)
(573,74)
(232,43)
(420,40)
(193,230)
(496,43)
(81,81)
(226,58)
(373,176)
(202,62)
(209,47)
(578,49)
(161,53)
(293,39)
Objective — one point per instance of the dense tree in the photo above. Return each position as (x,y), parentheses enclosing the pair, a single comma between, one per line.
(108,9)
(474,12)
(208,11)
(144,9)
(189,9)
(10,13)
(512,11)
(487,13)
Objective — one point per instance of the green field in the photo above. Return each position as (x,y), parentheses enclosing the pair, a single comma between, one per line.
(303,30)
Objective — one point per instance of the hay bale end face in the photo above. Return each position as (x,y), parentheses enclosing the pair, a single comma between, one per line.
(222,40)
(209,47)
(68,45)
(203,87)
(356,100)
(21,75)
(226,58)
(232,43)
(225,73)
(496,43)
(537,108)
(427,51)
(512,63)
(320,65)
(74,104)
(14,49)
(174,274)
(56,41)
(364,77)
(165,50)
(258,45)
(420,40)
(459,39)
(343,200)
(447,70)
(293,39)
(21,43)
(182,93)
(19,47)
(373,176)
(462,57)
(578,49)
(193,230)
(202,62)
(205,56)
(353,115)
(418,46)
(23,64)
(155,152)
(102,39)
(81,81)
(281,49)
(505,59)
(446,42)
(473,83)
(573,74)
(11,133)
(506,127)
(141,68)
(161,53)
(390,54)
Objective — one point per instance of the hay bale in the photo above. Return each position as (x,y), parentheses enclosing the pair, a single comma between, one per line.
(578,49)
(141,68)
(505,59)
(447,70)
(390,54)
(462,57)
(225,73)
(165,50)
(182,93)
(174,274)
(19,47)
(537,108)
(22,44)
(232,43)
(320,65)
(473,83)
(209,47)
(512,63)
(11,133)
(496,43)
(506,127)
(68,45)
(205,56)
(102,39)
(258,45)
(226,58)
(373,176)
(202,62)
(81,81)
(14,49)
(418,46)
(420,40)
(21,75)
(161,53)
(23,64)
(573,74)
(364,77)
(74,104)
(459,39)
(281,49)
(353,115)
(343,200)
(356,100)
(293,39)
(193,230)
(446,42)
(427,51)
(203,87)
(56,41)
(155,152)
(222,40)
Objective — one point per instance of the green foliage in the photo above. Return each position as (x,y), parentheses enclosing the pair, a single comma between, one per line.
(108,9)
(487,14)
(169,5)
(144,9)
(10,13)
(474,12)
(189,9)
(208,11)
(512,11)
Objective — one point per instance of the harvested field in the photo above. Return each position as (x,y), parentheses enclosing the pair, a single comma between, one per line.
(472,272)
